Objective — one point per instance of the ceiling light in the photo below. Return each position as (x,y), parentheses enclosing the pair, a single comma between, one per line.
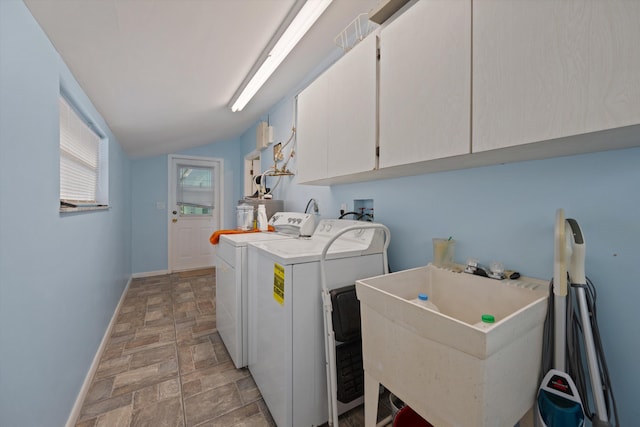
(307,16)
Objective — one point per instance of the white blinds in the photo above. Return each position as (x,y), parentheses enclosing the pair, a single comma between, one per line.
(195,186)
(78,157)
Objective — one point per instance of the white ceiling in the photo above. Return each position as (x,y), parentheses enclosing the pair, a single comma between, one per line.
(162,72)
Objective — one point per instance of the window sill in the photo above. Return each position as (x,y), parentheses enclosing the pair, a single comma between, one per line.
(84,209)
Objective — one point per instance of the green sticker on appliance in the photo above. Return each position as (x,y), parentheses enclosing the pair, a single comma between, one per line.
(278,283)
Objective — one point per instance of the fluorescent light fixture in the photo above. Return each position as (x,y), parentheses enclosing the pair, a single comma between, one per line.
(307,16)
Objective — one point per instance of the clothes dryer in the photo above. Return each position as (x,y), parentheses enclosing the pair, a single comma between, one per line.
(232,278)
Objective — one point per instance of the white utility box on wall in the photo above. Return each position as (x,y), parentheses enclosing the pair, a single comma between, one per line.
(264,135)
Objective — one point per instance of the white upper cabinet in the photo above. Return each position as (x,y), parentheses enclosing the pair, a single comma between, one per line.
(549,69)
(312,131)
(352,115)
(336,133)
(425,83)
(458,86)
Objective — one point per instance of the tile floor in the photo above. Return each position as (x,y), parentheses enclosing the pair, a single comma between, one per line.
(165,365)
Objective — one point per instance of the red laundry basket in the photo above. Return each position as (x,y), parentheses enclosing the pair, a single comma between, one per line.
(407,417)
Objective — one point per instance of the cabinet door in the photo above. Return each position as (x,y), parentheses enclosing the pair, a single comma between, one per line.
(547,69)
(337,117)
(425,83)
(352,111)
(312,131)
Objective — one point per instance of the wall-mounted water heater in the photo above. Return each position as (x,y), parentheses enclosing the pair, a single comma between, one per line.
(264,135)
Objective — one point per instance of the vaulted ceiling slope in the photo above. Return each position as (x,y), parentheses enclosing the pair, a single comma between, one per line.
(162,72)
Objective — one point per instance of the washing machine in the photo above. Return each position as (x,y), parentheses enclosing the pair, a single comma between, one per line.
(232,278)
(286,331)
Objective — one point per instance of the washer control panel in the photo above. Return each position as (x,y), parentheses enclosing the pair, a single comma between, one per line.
(293,223)
(328,228)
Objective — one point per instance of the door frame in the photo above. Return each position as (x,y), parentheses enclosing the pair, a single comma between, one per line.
(249,165)
(218,165)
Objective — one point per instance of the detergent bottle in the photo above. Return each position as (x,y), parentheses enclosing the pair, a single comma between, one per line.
(423,300)
(263,225)
(487,322)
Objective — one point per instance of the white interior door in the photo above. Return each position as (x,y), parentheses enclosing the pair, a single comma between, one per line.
(195,210)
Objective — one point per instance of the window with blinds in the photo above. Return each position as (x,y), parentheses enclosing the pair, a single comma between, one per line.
(79,159)
(195,191)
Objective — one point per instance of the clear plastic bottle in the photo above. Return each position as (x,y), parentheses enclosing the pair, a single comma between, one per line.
(423,300)
(244,214)
(263,224)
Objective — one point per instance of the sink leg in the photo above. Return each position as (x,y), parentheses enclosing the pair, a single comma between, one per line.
(371,387)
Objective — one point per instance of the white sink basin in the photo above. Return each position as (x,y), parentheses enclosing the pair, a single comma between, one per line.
(449,371)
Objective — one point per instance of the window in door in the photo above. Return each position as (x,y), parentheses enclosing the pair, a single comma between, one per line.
(195,191)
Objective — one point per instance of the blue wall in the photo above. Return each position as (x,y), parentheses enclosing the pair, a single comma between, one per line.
(61,276)
(149,186)
(51,322)
(149,244)
(507,213)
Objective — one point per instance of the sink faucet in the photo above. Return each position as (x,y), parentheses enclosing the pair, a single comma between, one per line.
(474,267)
(495,270)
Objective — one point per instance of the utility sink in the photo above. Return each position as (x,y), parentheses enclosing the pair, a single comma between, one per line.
(442,365)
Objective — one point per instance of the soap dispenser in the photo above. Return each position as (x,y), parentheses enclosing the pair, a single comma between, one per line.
(262,218)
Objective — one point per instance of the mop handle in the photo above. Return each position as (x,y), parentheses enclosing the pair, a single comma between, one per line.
(560,293)
(559,256)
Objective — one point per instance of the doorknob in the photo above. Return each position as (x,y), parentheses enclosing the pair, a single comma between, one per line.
(174,220)
(175,212)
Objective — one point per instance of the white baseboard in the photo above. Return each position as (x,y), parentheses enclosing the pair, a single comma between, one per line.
(77,406)
(149,274)
(185,270)
(163,272)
